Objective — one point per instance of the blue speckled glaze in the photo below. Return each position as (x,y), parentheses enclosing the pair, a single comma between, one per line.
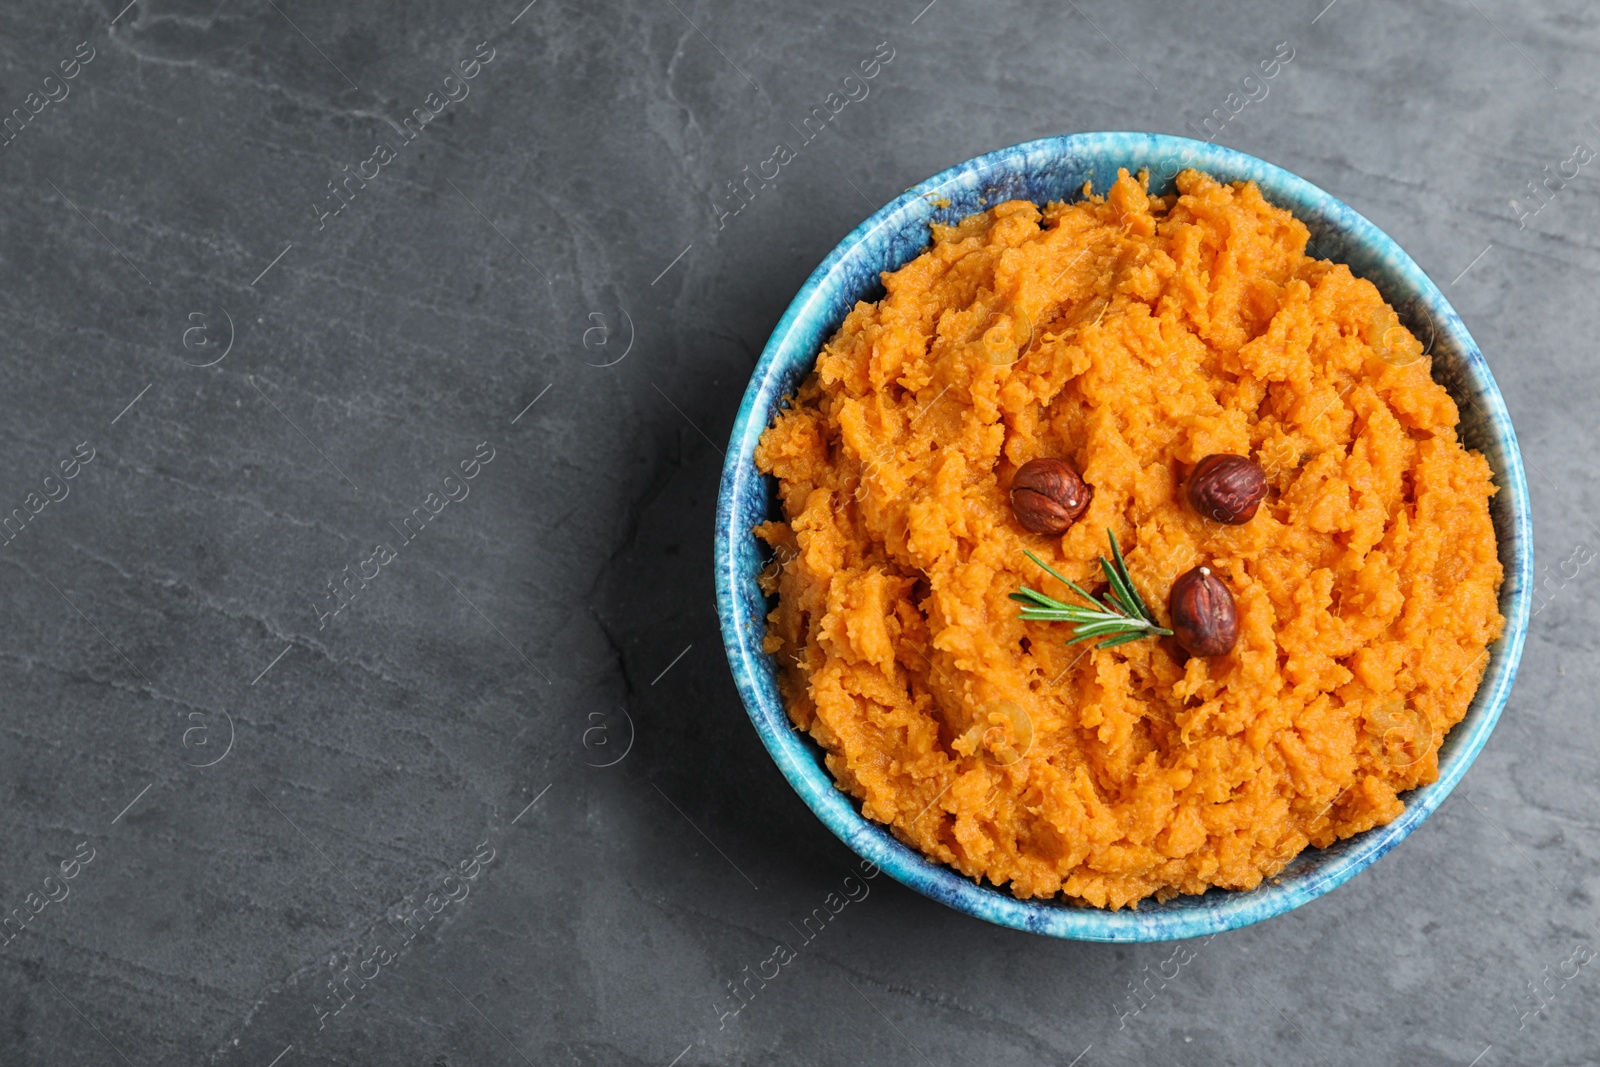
(1055,169)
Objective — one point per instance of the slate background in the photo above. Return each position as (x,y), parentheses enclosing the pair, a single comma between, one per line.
(564,608)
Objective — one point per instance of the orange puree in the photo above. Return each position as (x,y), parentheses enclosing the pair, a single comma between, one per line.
(1131,336)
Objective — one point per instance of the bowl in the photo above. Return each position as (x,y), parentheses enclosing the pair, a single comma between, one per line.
(1055,168)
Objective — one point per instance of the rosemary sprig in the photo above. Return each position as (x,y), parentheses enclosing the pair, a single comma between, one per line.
(1121,617)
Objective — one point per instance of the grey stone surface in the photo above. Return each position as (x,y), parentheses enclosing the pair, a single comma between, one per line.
(560,615)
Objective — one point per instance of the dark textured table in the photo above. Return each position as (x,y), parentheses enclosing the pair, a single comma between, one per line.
(366,372)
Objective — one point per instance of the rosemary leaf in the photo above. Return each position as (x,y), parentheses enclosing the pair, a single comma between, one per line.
(1121,616)
(1113,642)
(1138,604)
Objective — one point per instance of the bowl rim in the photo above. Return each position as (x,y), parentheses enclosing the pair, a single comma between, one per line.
(1189,915)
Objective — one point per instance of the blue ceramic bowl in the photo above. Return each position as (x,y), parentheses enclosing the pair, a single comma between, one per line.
(1055,169)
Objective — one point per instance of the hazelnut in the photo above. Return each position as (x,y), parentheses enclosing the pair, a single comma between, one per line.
(1048,496)
(1203,616)
(1227,488)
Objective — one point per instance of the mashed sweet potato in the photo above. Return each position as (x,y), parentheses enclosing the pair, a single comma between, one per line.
(1130,335)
